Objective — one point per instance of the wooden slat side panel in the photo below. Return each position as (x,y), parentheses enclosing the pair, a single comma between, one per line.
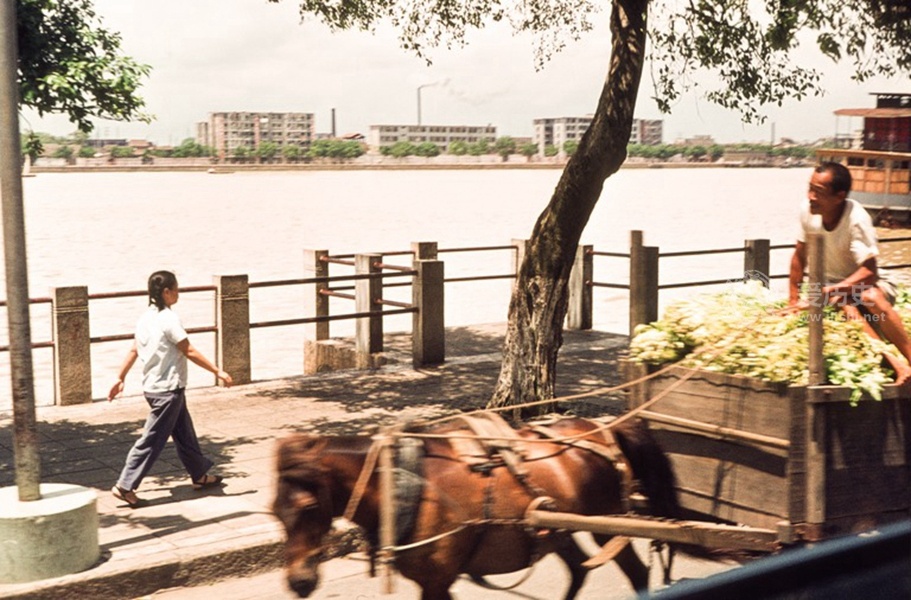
(867,471)
(758,411)
(731,475)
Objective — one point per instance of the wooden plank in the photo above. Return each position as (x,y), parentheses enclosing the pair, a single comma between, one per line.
(716,431)
(796,471)
(726,406)
(815,460)
(708,535)
(729,474)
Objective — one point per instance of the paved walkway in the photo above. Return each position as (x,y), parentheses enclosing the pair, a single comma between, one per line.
(185,537)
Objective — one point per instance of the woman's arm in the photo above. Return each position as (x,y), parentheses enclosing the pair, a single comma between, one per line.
(197,358)
(124,369)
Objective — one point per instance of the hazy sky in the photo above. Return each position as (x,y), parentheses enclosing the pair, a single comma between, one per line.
(250,55)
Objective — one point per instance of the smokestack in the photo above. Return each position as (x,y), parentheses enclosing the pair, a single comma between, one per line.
(333,122)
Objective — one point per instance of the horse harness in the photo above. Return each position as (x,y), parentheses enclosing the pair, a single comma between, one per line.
(495,443)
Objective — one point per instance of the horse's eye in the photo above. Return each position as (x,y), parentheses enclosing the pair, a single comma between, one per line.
(304,500)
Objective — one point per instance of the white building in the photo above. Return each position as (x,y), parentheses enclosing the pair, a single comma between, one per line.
(226,131)
(555,132)
(441,135)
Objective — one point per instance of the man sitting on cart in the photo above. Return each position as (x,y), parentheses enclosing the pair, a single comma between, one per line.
(851,281)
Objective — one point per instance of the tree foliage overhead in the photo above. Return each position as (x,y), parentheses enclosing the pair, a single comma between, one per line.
(746,45)
(69,63)
(427,24)
(749,46)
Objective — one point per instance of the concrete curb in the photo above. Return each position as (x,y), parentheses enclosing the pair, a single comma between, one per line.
(129,582)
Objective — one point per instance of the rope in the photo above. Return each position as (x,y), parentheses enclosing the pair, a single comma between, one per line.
(707,354)
(360,486)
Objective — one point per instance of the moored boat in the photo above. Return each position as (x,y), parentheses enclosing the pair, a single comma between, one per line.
(880,160)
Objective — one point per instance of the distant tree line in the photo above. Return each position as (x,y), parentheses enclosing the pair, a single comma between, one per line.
(77,145)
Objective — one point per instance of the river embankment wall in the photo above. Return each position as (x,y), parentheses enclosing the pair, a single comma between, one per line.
(128,165)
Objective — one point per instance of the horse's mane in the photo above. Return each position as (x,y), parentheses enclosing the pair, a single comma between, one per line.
(650,466)
(299,455)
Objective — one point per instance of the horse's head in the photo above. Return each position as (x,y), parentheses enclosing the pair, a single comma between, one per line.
(303,504)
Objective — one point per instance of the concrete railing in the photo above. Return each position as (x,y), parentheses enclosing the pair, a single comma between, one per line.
(71,342)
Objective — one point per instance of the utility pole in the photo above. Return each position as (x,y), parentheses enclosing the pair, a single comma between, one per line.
(25,432)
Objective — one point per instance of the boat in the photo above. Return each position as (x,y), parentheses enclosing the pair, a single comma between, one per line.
(879,159)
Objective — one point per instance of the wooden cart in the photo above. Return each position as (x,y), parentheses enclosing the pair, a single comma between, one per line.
(797,459)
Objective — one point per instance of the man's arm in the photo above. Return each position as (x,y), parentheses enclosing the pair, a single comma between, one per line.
(866,275)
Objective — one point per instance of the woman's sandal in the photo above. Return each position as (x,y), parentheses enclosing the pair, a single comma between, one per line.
(208,482)
(127,496)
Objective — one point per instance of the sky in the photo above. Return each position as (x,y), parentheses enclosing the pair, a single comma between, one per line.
(251,55)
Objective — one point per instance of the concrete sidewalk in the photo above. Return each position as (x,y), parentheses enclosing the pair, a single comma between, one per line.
(186,537)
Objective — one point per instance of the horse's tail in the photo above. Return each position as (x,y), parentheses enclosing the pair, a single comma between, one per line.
(650,466)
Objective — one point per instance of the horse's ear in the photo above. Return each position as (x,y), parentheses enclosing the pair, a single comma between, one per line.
(293,449)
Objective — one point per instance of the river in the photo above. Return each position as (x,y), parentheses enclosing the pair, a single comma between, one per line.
(108,231)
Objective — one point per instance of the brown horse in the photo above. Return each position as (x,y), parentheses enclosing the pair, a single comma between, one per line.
(471,516)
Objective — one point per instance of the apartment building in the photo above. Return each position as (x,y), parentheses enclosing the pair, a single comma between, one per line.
(556,131)
(226,131)
(649,132)
(441,135)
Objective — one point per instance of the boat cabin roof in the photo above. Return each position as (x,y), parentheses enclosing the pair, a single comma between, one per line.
(874,113)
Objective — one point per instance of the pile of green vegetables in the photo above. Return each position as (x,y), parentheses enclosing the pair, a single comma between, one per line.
(744,330)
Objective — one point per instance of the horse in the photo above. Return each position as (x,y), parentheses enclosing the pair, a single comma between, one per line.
(468,519)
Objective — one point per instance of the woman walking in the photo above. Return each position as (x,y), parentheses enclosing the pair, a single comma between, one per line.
(162,345)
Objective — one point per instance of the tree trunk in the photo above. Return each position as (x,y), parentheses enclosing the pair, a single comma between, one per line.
(537,308)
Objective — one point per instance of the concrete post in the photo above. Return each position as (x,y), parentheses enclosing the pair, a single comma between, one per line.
(428,336)
(756,260)
(643,282)
(521,251)
(579,311)
(367,293)
(316,303)
(72,346)
(424,250)
(232,318)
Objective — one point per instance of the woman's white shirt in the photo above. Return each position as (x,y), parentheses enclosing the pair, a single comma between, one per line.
(164,366)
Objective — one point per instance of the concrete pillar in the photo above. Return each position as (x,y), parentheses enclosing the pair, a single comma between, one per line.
(521,251)
(53,536)
(232,318)
(428,336)
(316,304)
(72,346)
(756,260)
(643,282)
(367,293)
(424,250)
(579,310)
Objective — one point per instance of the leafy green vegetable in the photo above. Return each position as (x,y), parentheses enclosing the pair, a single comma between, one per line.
(745,331)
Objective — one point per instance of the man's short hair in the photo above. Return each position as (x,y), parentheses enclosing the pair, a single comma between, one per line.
(841,176)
